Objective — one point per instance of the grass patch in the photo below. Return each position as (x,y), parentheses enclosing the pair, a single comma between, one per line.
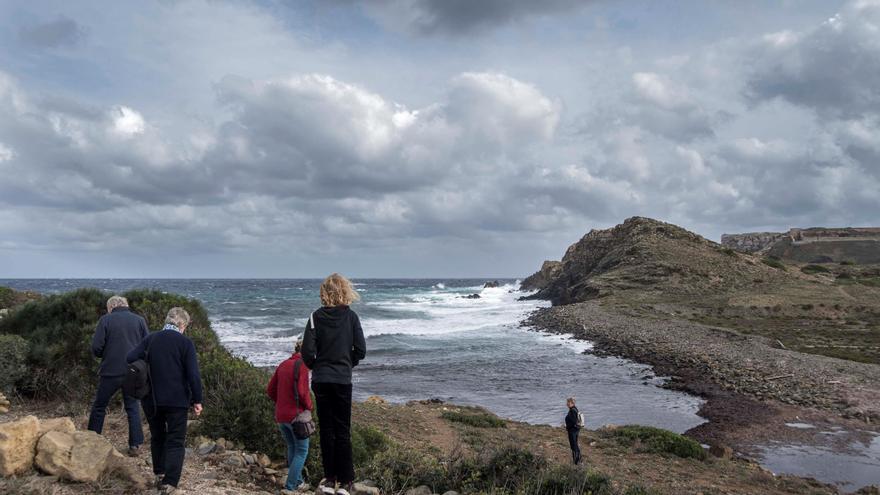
(656,440)
(774,262)
(475,419)
(814,269)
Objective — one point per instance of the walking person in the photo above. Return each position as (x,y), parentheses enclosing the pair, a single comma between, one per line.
(332,345)
(117,333)
(175,385)
(573,425)
(289,390)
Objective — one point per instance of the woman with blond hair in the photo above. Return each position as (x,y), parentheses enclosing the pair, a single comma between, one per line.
(332,345)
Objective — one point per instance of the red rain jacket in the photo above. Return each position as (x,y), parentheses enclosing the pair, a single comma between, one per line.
(280,390)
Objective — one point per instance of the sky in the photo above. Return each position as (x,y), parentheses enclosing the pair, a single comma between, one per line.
(420,138)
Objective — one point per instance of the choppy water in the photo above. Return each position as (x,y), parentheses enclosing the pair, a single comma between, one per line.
(425,340)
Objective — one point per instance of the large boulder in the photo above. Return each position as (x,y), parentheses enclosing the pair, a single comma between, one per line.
(56,424)
(17,442)
(542,278)
(77,456)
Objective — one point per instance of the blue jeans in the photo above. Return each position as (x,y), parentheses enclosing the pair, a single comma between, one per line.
(297,451)
(107,388)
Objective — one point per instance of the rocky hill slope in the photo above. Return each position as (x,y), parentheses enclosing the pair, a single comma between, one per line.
(643,254)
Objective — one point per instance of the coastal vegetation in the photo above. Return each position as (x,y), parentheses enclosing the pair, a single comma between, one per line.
(656,440)
(478,419)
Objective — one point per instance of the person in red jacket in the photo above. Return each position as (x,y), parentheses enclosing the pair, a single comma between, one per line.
(281,391)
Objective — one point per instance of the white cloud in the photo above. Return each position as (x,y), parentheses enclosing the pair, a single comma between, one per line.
(127,122)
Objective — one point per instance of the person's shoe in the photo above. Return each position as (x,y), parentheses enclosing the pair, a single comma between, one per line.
(167,490)
(303,487)
(133,451)
(347,490)
(159,478)
(327,487)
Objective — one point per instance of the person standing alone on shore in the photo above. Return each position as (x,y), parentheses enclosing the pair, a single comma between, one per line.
(332,345)
(289,390)
(573,425)
(117,333)
(175,385)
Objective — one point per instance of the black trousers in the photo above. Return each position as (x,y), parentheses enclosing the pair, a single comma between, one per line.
(107,388)
(334,424)
(168,432)
(573,443)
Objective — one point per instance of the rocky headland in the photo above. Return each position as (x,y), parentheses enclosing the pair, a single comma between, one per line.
(740,330)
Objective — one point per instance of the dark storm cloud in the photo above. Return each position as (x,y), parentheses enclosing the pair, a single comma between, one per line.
(61,32)
(461,16)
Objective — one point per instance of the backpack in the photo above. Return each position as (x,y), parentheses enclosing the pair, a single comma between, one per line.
(580,421)
(137,377)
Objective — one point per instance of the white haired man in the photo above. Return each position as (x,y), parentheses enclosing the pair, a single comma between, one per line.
(176,384)
(118,332)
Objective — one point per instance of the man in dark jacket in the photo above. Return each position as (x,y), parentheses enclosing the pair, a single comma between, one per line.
(117,333)
(573,429)
(176,384)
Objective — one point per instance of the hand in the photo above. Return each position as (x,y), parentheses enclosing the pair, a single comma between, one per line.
(197,409)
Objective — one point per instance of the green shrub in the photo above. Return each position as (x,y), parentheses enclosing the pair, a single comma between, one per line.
(729,252)
(59,330)
(10,297)
(396,469)
(659,441)
(13,361)
(847,262)
(512,466)
(475,419)
(773,262)
(814,269)
(568,480)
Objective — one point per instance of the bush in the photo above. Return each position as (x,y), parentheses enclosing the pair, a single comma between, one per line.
(567,480)
(476,419)
(847,262)
(729,252)
(10,297)
(773,262)
(659,441)
(814,269)
(397,468)
(59,330)
(512,467)
(13,361)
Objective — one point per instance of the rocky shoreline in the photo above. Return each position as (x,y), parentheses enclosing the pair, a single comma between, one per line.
(750,386)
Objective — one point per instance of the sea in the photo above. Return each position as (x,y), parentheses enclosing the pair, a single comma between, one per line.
(426,340)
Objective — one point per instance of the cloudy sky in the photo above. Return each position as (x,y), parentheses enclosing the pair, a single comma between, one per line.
(415,138)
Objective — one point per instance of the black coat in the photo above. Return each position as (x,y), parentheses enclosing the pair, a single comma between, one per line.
(335,346)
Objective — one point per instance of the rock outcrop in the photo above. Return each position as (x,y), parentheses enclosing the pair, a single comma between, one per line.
(751,242)
(647,255)
(18,440)
(4,404)
(78,456)
(813,245)
(540,279)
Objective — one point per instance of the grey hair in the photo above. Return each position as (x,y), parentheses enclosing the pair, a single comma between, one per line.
(116,302)
(178,317)
(571,399)
(298,346)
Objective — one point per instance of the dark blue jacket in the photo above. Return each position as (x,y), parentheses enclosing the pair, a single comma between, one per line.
(117,333)
(174,369)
